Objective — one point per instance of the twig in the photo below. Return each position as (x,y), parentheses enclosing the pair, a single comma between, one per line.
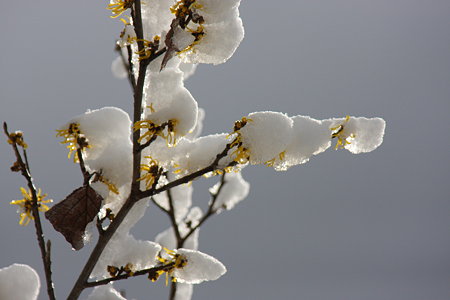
(173,219)
(188,178)
(157,205)
(152,272)
(45,252)
(173,290)
(211,211)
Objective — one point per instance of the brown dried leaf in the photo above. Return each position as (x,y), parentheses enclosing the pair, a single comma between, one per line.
(71,216)
(171,49)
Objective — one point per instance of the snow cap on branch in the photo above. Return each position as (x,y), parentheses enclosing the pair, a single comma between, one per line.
(108,135)
(19,282)
(201,152)
(218,35)
(264,135)
(168,100)
(105,292)
(200,267)
(357,134)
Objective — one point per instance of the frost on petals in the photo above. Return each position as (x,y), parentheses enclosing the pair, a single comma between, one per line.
(200,267)
(105,292)
(19,282)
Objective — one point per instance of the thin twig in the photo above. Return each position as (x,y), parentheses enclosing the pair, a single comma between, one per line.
(173,219)
(188,178)
(211,210)
(158,205)
(152,272)
(45,253)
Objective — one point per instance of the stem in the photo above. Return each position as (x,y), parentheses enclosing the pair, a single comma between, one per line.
(173,290)
(211,211)
(150,271)
(173,220)
(45,252)
(213,166)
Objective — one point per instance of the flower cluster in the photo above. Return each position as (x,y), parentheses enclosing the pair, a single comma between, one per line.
(26,205)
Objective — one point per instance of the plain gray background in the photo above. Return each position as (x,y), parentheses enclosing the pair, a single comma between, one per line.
(341,227)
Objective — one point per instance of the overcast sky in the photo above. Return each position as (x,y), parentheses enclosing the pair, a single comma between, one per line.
(341,227)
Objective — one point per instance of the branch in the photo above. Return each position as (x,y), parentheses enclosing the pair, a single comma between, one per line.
(211,211)
(152,272)
(213,166)
(45,252)
(173,220)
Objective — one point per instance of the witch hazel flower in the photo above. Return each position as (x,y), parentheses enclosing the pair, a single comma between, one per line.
(281,142)
(104,136)
(357,134)
(171,110)
(26,205)
(190,266)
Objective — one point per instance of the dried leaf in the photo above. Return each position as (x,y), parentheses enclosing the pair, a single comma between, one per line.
(71,216)
(171,48)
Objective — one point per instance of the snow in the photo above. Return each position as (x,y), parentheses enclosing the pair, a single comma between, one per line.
(223,32)
(181,199)
(105,292)
(184,291)
(234,190)
(201,152)
(363,134)
(309,137)
(266,135)
(218,44)
(19,282)
(170,100)
(108,131)
(200,267)
(123,248)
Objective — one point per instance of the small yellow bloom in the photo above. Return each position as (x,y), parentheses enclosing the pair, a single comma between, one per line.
(151,171)
(119,7)
(342,137)
(74,139)
(26,204)
(17,138)
(175,261)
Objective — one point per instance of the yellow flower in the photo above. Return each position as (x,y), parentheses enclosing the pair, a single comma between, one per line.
(17,138)
(174,261)
(74,139)
(342,137)
(151,172)
(26,204)
(119,7)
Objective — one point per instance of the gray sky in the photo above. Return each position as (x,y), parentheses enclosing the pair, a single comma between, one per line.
(342,227)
